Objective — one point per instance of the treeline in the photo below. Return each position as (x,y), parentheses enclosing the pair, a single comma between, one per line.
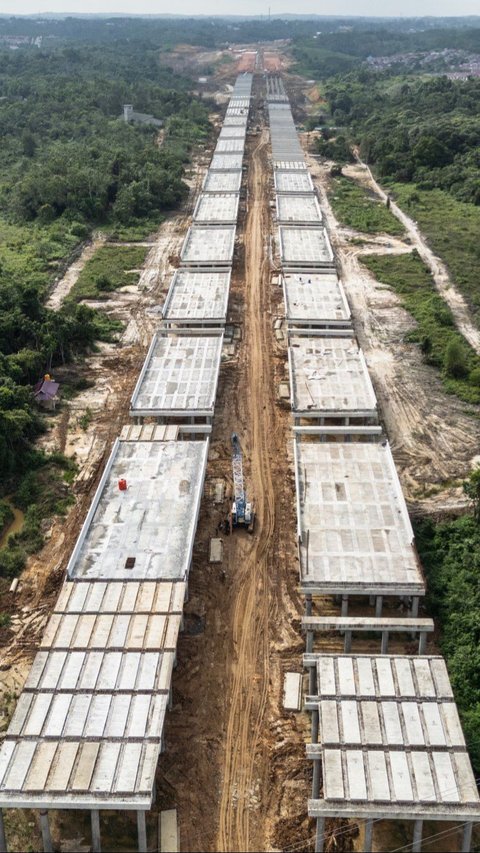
(411,130)
(334,52)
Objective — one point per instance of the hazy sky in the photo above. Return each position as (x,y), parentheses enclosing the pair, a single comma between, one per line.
(247,7)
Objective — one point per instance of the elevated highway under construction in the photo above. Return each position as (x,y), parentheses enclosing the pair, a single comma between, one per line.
(159,682)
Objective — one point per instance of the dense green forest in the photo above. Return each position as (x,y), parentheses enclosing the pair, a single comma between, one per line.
(450,553)
(425,131)
(68,163)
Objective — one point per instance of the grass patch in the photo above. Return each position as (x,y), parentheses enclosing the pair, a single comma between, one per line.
(450,553)
(355,207)
(441,343)
(136,230)
(109,269)
(451,228)
(43,492)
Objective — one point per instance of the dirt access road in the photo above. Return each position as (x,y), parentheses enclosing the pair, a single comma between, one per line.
(454,299)
(228,734)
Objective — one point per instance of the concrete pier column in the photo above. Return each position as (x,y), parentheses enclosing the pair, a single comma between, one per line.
(371,600)
(378,606)
(347,645)
(320,836)
(314,726)
(3,840)
(414,607)
(170,698)
(316,779)
(96,840)
(142,832)
(422,643)
(45,827)
(417,836)
(308,605)
(309,642)
(384,648)
(467,838)
(367,843)
(312,680)
(344,605)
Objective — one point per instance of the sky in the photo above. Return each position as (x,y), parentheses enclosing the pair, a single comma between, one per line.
(247,7)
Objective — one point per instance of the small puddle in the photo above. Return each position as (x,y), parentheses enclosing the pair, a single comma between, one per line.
(16,524)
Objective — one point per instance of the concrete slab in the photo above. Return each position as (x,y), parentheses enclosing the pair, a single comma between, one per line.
(216,551)
(169,837)
(329,379)
(316,299)
(152,521)
(179,376)
(292,182)
(304,247)
(292,691)
(300,209)
(209,246)
(197,298)
(355,535)
(226,162)
(220,182)
(379,745)
(216,208)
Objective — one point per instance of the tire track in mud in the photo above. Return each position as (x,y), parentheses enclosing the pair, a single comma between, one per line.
(249,693)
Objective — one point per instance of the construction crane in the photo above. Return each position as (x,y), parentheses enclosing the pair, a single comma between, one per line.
(242,514)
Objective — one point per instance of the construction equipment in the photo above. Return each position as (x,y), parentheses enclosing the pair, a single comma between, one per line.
(242,514)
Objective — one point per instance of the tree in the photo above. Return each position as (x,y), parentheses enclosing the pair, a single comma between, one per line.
(455,361)
(28,144)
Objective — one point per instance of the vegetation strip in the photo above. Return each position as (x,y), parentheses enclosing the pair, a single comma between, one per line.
(441,344)
(355,207)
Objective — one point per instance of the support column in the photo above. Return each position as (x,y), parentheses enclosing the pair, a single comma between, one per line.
(312,680)
(308,605)
(309,642)
(142,832)
(347,645)
(170,698)
(417,836)
(96,841)
(320,836)
(344,605)
(367,844)
(422,643)
(384,648)
(3,840)
(414,607)
(314,726)
(378,606)
(467,838)
(45,827)
(316,779)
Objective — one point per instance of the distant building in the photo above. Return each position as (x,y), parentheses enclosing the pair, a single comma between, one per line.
(129,115)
